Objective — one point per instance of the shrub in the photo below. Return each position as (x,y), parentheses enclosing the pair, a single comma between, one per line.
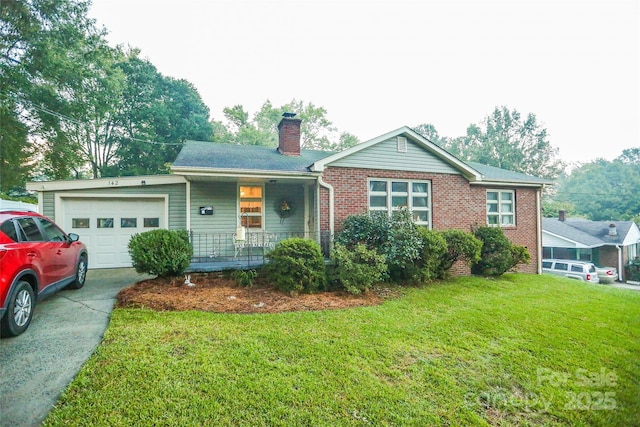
(498,254)
(632,270)
(296,265)
(161,252)
(357,269)
(428,265)
(395,237)
(370,229)
(461,246)
(244,278)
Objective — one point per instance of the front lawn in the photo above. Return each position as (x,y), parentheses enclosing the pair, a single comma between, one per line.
(519,350)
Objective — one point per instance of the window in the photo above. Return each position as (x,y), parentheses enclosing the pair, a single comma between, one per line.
(105,222)
(29,231)
(52,232)
(389,195)
(9,229)
(251,206)
(128,222)
(151,222)
(500,208)
(80,223)
(562,266)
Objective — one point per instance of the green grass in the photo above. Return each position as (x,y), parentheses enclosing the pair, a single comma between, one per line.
(519,350)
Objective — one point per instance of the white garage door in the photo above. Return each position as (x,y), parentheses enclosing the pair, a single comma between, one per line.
(105,225)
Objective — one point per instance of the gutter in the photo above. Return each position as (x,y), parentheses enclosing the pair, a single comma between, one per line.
(331,205)
(539,229)
(620,270)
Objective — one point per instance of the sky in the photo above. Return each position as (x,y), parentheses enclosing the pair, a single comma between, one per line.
(376,66)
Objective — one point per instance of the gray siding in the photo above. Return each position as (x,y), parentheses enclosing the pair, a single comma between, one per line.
(274,194)
(177,199)
(223,197)
(385,155)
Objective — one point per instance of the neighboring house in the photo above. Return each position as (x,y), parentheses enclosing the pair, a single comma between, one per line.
(217,189)
(606,243)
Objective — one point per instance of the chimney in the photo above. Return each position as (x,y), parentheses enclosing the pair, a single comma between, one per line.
(562,215)
(613,230)
(289,135)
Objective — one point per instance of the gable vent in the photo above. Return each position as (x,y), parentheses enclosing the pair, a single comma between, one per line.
(401,144)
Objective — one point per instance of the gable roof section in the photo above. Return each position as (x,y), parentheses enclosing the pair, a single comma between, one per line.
(203,156)
(591,234)
(470,173)
(211,158)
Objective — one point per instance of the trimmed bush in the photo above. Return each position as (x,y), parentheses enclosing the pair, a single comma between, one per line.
(357,270)
(395,237)
(296,265)
(370,229)
(461,246)
(434,247)
(161,252)
(498,254)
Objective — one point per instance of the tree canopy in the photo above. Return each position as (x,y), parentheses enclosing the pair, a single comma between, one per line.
(316,130)
(602,190)
(506,140)
(74,106)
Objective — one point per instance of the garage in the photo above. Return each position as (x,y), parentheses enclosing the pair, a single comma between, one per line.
(105,224)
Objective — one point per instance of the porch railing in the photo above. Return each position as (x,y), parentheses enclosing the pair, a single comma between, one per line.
(211,247)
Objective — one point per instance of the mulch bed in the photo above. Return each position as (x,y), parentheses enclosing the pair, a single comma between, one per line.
(215,293)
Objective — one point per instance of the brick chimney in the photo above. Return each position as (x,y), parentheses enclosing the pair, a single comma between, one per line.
(289,135)
(562,215)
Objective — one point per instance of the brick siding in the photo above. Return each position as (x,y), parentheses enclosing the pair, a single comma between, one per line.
(455,204)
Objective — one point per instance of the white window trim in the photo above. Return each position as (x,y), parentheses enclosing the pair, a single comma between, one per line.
(389,195)
(499,202)
(240,214)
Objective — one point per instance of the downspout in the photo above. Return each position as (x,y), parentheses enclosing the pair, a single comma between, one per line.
(331,206)
(620,269)
(539,227)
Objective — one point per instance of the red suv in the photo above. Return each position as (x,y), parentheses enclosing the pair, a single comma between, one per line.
(37,259)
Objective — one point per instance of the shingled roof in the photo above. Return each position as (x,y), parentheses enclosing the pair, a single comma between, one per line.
(218,156)
(206,156)
(586,232)
(492,173)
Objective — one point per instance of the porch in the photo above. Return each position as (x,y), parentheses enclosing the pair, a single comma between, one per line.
(234,251)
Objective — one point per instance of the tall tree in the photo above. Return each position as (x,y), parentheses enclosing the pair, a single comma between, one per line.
(429,131)
(40,42)
(155,116)
(316,131)
(602,190)
(507,140)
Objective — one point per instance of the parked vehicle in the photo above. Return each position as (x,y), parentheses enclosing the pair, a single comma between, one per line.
(607,274)
(37,259)
(579,270)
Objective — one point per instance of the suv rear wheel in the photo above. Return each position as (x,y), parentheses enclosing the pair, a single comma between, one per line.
(19,311)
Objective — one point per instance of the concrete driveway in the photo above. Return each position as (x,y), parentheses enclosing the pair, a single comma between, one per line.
(38,365)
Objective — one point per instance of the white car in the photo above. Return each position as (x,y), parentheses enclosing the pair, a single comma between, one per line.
(607,274)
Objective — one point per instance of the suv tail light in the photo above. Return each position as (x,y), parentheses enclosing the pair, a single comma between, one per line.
(588,277)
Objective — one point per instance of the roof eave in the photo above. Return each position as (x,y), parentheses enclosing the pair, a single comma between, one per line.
(241,173)
(489,182)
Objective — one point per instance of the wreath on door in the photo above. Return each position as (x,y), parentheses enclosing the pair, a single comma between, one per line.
(285,208)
